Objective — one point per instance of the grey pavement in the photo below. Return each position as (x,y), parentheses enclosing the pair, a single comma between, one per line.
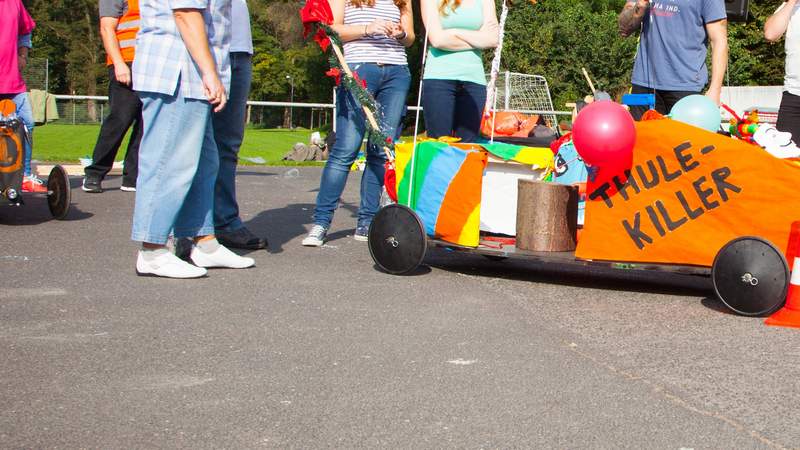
(315,348)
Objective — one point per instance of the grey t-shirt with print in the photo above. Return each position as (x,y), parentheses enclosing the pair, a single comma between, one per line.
(113,8)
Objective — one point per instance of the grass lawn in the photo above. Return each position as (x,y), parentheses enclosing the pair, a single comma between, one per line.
(68,143)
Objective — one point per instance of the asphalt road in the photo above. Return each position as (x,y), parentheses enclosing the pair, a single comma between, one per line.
(316,348)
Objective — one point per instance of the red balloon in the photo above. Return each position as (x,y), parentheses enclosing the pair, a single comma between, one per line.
(604,134)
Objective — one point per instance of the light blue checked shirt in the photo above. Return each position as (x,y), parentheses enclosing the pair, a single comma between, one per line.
(163,64)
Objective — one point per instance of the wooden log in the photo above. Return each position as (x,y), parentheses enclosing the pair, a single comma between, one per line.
(547,216)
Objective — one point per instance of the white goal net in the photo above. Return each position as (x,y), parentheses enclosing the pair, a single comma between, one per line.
(528,94)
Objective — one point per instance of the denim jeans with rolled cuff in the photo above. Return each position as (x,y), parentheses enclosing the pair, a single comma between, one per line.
(389,85)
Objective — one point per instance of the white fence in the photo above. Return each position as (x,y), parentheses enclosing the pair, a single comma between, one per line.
(87,109)
(741,98)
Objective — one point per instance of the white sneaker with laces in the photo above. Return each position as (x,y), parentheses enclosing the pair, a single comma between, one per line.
(162,263)
(212,254)
(316,237)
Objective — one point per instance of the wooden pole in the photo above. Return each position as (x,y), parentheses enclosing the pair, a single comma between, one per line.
(370,117)
(588,80)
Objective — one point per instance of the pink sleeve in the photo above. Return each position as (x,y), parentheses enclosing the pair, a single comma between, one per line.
(26,23)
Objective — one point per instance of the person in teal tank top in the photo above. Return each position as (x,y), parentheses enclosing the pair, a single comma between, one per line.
(454,83)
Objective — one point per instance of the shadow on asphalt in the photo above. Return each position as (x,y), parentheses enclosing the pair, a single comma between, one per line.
(643,281)
(715,304)
(282,225)
(35,211)
(421,270)
(254,173)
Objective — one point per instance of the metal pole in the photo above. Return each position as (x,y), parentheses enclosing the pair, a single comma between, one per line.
(507,91)
(291,100)
(334,109)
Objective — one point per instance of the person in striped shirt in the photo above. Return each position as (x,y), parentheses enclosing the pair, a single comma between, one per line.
(375,34)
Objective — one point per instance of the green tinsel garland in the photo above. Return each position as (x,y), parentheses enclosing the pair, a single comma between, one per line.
(359,92)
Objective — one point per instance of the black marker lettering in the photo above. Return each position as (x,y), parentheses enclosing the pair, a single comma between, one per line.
(654,218)
(655,178)
(635,232)
(704,193)
(671,225)
(685,159)
(665,171)
(719,177)
(692,213)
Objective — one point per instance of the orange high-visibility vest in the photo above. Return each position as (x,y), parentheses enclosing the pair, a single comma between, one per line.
(127,28)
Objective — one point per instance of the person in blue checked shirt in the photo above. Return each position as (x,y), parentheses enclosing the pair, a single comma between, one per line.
(182,74)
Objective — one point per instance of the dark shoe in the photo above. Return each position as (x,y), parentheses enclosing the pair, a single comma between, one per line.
(183,248)
(362,233)
(92,185)
(241,238)
(128,185)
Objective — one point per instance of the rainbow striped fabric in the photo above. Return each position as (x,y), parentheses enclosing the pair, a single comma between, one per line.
(445,190)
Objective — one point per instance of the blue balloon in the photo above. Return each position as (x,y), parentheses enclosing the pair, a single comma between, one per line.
(699,111)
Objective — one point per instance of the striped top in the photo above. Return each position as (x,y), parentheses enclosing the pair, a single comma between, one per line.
(376,49)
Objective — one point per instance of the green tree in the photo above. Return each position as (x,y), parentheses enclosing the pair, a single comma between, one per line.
(67,33)
(753,61)
(556,38)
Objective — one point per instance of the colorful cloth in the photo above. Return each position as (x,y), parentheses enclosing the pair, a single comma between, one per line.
(15,22)
(445,189)
(538,157)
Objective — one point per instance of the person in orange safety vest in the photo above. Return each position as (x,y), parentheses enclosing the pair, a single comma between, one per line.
(119,23)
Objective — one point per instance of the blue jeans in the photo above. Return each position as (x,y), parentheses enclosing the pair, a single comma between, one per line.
(389,85)
(228,133)
(25,114)
(178,165)
(453,108)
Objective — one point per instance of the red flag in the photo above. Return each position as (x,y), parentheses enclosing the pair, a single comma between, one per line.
(314,13)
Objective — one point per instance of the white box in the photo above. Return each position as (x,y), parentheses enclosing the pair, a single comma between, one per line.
(499,195)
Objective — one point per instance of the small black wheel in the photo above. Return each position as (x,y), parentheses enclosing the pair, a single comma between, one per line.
(397,240)
(751,276)
(58,193)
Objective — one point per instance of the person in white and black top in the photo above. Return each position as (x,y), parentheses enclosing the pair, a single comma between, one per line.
(375,34)
(786,20)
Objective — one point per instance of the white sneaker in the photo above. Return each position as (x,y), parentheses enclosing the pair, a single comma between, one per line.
(316,237)
(220,257)
(165,264)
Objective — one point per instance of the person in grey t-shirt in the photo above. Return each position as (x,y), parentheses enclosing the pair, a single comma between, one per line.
(671,59)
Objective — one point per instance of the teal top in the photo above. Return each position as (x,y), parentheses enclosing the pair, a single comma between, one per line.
(464,65)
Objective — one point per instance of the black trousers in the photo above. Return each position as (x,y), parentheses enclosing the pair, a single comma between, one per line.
(789,115)
(665,100)
(125,110)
